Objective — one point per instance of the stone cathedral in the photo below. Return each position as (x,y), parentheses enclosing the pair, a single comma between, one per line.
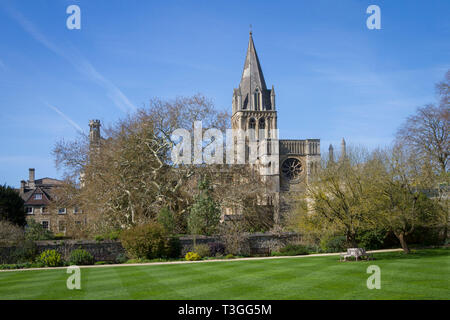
(254,107)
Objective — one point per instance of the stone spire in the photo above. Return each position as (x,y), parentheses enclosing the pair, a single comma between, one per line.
(343,149)
(331,153)
(252,89)
(252,76)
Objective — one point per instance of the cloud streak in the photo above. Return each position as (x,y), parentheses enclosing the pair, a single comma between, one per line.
(78,62)
(65,117)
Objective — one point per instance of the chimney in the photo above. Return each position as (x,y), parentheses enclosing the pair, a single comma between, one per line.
(22,186)
(31,177)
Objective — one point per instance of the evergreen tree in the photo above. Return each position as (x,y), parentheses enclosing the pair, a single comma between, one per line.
(11,206)
(204,215)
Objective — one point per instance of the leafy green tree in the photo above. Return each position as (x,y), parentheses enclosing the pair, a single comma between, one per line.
(204,215)
(11,206)
(395,197)
(334,201)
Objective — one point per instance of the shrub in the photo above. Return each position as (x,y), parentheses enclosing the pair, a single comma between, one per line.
(121,258)
(26,251)
(81,257)
(34,231)
(333,244)
(372,239)
(99,238)
(235,239)
(10,233)
(173,248)
(216,249)
(114,235)
(292,250)
(147,241)
(229,256)
(50,258)
(202,250)
(192,256)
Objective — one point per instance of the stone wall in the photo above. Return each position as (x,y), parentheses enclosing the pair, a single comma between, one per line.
(255,244)
(102,251)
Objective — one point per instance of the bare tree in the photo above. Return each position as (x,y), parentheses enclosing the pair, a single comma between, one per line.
(128,177)
(426,132)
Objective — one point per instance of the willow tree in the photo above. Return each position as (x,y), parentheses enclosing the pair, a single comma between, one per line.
(395,195)
(335,199)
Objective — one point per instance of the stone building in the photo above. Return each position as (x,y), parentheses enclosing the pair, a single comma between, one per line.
(39,196)
(254,107)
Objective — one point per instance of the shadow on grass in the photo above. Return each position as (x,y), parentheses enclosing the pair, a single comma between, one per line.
(414,254)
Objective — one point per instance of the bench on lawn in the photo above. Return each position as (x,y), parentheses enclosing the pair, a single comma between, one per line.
(356,253)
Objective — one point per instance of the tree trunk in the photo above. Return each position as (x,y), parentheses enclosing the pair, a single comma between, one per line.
(401,238)
(351,240)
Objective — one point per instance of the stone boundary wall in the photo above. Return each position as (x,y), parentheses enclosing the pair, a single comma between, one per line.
(108,250)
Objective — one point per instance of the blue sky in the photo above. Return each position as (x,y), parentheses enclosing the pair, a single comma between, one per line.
(333,77)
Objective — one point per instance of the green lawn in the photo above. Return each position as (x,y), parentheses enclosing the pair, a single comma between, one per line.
(420,275)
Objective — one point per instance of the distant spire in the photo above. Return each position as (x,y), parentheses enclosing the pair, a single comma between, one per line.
(343,149)
(331,153)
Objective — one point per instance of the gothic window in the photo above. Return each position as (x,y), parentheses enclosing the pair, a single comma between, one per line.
(262,123)
(244,106)
(256,99)
(291,169)
(252,127)
(252,123)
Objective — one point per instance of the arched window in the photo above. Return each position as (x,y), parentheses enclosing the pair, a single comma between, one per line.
(252,123)
(262,123)
(256,99)
(251,128)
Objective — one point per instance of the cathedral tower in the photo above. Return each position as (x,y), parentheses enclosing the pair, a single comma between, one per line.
(253,103)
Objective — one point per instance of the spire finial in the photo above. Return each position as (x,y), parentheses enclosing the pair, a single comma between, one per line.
(251,30)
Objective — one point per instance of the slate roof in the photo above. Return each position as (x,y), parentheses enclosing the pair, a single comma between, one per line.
(252,75)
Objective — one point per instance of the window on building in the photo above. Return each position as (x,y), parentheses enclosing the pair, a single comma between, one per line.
(38,196)
(61,226)
(45,224)
(76,210)
(44,210)
(62,210)
(256,99)
(29,210)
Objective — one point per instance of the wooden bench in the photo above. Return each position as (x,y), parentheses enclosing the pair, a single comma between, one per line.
(356,253)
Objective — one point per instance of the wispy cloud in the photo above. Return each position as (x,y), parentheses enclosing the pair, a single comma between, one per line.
(77,61)
(65,117)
